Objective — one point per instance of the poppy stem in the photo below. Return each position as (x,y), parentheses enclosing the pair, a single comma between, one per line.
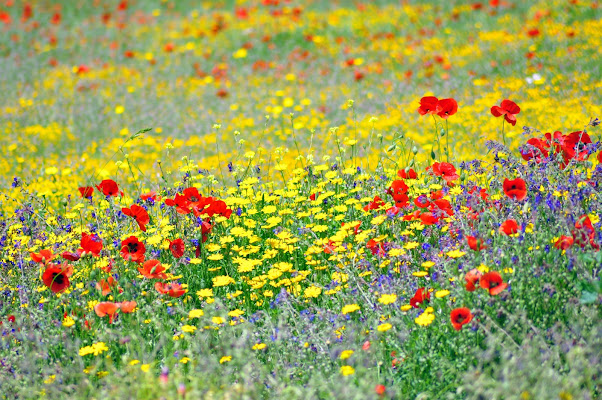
(299,156)
(447,140)
(504,133)
(437,136)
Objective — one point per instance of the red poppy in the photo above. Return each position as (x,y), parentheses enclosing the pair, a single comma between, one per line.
(410,174)
(27,12)
(475,244)
(428,218)
(105,308)
(43,256)
(535,149)
(152,195)
(584,233)
(91,244)
(56,277)
(139,214)
(67,255)
(374,204)
(576,145)
(515,189)
(509,227)
(109,187)
(86,191)
(376,248)
(422,295)
(152,269)
(397,188)
(422,201)
(187,200)
(56,19)
(215,207)
(329,247)
(127,306)
(206,228)
(564,242)
(171,289)
(460,316)
(428,105)
(446,108)
(442,207)
(493,282)
(106,285)
(133,249)
(508,109)
(445,170)
(177,247)
(472,279)
(380,390)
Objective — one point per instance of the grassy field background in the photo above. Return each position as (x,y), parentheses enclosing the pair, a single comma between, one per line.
(296,115)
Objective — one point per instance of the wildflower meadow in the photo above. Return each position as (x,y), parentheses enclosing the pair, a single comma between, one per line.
(284,199)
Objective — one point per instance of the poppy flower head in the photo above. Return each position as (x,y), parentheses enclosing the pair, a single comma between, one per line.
(576,145)
(206,228)
(535,149)
(170,289)
(422,295)
(515,189)
(459,317)
(428,105)
(105,308)
(152,269)
(374,204)
(475,244)
(91,244)
(70,256)
(177,248)
(445,170)
(493,282)
(56,277)
(564,242)
(584,233)
(43,257)
(108,187)
(509,227)
(132,249)
(472,278)
(127,306)
(428,218)
(86,192)
(508,109)
(150,196)
(139,214)
(398,187)
(105,286)
(410,174)
(446,108)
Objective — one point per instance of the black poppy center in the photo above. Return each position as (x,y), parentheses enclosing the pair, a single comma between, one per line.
(493,285)
(59,279)
(194,199)
(133,247)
